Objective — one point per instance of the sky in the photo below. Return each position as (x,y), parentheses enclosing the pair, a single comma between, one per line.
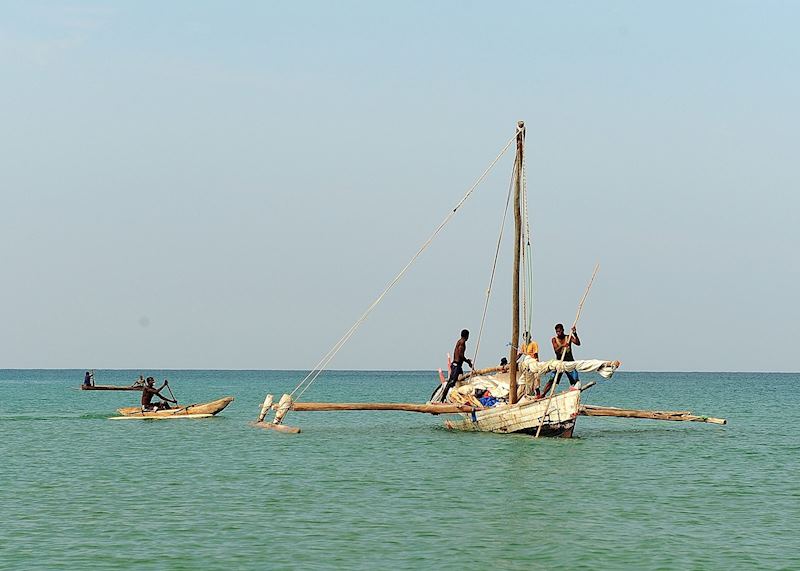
(229,185)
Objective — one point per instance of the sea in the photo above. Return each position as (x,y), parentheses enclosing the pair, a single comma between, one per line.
(395,490)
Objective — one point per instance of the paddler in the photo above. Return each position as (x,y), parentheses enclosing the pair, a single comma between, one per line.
(457,366)
(150,391)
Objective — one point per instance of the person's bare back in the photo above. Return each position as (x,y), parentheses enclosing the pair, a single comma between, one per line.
(459,351)
(456,366)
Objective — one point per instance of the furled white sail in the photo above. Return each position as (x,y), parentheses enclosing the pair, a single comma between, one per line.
(604,368)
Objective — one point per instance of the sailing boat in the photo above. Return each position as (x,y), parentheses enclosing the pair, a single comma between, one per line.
(516,410)
(519,410)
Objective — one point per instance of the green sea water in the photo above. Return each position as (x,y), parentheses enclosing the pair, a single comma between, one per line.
(389,490)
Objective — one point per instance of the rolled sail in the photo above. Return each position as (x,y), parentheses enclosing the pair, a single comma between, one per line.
(603,368)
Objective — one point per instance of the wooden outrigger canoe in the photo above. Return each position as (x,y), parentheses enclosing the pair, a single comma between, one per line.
(112,388)
(525,418)
(184,416)
(201,410)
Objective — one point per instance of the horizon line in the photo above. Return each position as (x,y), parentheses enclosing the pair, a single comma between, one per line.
(345,370)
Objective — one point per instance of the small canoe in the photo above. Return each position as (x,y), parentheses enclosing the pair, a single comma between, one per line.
(189,411)
(111,388)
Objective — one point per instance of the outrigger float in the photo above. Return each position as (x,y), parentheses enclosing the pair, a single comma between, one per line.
(517,409)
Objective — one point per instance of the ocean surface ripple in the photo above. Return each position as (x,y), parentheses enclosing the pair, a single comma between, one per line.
(389,490)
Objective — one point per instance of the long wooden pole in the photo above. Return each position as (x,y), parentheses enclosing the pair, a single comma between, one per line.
(678,415)
(403,406)
(564,351)
(480,372)
(512,369)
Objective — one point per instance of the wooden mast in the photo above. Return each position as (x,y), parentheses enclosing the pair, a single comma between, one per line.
(512,370)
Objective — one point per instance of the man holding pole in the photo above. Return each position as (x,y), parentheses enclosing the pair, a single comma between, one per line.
(573,335)
(562,345)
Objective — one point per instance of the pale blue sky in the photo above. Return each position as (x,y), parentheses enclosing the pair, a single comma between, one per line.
(229,184)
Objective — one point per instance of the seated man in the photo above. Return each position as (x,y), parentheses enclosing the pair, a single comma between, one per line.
(149,392)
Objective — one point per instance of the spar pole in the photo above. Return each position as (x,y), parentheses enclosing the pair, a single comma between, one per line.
(564,351)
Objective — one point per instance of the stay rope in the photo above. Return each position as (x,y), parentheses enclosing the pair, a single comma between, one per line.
(527,298)
(312,376)
(494,269)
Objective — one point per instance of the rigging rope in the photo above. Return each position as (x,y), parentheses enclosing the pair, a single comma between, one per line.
(494,268)
(523,256)
(312,376)
(528,251)
(524,281)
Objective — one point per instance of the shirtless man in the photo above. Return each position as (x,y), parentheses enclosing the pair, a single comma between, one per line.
(457,366)
(149,392)
(561,343)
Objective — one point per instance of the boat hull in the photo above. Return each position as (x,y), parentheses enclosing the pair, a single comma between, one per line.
(111,388)
(135,417)
(524,417)
(190,411)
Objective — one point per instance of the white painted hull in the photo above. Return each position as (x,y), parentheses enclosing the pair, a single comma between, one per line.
(524,417)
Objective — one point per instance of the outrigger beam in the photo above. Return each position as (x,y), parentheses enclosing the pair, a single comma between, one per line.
(683,415)
(403,406)
(286,404)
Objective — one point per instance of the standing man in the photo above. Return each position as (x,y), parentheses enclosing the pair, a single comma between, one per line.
(457,366)
(562,344)
(532,381)
(529,347)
